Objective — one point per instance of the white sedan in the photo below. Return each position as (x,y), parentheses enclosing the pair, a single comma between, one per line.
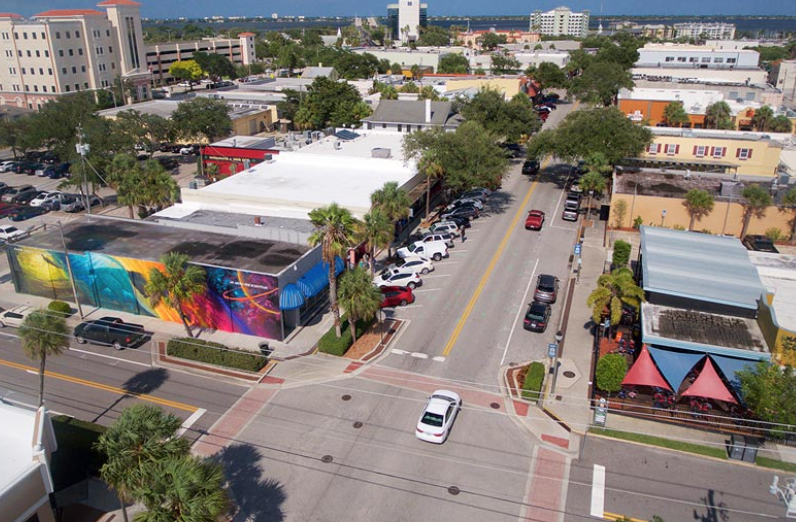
(436,420)
(398,277)
(419,265)
(46,197)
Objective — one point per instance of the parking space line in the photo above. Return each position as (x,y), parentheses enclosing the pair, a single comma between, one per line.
(433,276)
(419,355)
(598,491)
(103,356)
(456,251)
(426,290)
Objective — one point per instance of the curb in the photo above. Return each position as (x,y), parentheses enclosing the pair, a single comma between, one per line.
(160,358)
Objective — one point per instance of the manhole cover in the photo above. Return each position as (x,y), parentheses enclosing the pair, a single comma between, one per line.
(568,374)
(453,490)
(327,459)
(495,406)
(357,424)
(512,364)
(346,397)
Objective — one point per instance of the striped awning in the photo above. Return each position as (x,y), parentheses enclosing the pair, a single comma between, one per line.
(317,278)
(291,297)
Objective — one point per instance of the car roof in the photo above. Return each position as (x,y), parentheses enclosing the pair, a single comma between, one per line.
(438,405)
(536,306)
(535,212)
(546,278)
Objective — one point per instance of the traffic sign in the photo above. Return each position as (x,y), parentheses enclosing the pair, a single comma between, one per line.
(552,350)
(577,249)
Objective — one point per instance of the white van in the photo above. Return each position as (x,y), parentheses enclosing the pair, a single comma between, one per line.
(435,250)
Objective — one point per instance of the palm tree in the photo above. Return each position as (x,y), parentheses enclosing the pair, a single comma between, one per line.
(612,291)
(358,296)
(762,118)
(718,116)
(184,489)
(698,203)
(335,229)
(392,200)
(433,169)
(593,183)
(177,283)
(43,333)
(754,200)
(674,115)
(789,205)
(377,232)
(141,436)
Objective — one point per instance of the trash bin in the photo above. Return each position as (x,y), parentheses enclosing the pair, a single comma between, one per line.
(265,349)
(737,446)
(750,451)
(192,185)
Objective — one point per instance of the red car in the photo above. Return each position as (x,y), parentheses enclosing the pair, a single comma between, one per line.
(396,296)
(534,220)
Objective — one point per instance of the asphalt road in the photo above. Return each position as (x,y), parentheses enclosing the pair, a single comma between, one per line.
(641,482)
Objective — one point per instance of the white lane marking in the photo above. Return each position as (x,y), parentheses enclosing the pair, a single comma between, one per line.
(519,311)
(598,491)
(438,358)
(190,421)
(561,227)
(419,355)
(555,212)
(32,372)
(456,251)
(426,290)
(433,276)
(119,359)
(396,351)
(407,306)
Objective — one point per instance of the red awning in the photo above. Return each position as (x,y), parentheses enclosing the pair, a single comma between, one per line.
(709,385)
(645,373)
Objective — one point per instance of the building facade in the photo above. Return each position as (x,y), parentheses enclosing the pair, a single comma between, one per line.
(62,51)
(160,56)
(699,30)
(696,57)
(783,77)
(405,19)
(473,38)
(561,21)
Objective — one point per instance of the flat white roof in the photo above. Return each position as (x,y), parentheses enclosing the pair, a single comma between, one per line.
(694,101)
(296,182)
(16,439)
(778,274)
(690,48)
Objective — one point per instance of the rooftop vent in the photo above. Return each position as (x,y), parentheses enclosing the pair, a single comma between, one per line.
(380,152)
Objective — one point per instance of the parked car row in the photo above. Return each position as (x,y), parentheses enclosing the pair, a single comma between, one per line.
(537,316)
(26,201)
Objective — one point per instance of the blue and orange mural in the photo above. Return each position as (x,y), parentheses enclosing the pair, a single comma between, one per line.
(235,300)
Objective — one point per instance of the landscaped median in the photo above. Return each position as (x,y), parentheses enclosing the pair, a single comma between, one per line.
(214,357)
(334,345)
(526,381)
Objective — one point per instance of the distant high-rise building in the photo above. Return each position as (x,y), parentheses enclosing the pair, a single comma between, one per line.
(561,21)
(405,19)
(707,31)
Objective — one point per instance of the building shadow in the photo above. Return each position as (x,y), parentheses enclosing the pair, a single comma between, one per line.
(142,383)
(259,499)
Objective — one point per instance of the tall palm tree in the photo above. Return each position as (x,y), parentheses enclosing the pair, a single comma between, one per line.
(762,118)
(358,297)
(393,200)
(698,203)
(335,230)
(377,232)
(754,200)
(43,333)
(433,169)
(142,435)
(789,205)
(184,489)
(592,183)
(612,290)
(177,283)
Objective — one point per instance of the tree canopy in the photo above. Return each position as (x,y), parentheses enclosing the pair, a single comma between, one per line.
(549,75)
(434,36)
(215,65)
(188,70)
(490,40)
(600,83)
(453,64)
(674,115)
(509,120)
(770,392)
(330,103)
(718,116)
(203,117)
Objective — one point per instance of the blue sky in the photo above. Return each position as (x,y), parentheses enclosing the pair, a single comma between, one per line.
(199,8)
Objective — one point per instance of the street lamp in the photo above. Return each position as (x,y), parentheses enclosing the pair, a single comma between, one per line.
(69,269)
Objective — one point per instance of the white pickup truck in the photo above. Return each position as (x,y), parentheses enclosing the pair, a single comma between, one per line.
(11,233)
(435,250)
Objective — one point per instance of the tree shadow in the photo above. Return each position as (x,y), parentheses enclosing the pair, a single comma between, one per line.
(713,512)
(499,201)
(258,499)
(142,383)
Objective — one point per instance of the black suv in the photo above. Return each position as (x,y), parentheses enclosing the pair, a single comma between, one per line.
(530,167)
(759,244)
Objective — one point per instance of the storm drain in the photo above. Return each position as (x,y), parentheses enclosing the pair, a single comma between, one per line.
(346,397)
(326,459)
(357,425)
(454,490)
(495,406)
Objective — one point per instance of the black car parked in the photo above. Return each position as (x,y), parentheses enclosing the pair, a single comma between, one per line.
(531,167)
(110,331)
(759,244)
(536,317)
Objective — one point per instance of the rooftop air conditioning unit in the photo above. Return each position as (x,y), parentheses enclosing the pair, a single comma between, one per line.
(380,152)
(338,145)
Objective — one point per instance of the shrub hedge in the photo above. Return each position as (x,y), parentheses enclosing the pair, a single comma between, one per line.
(532,387)
(61,308)
(621,254)
(334,345)
(215,353)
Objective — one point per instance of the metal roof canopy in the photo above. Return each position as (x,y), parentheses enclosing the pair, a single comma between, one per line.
(701,267)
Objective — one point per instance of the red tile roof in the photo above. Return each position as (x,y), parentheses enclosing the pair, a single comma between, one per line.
(9,15)
(246,34)
(117,2)
(54,13)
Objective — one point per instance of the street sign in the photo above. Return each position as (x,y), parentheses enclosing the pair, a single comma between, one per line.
(552,350)
(577,249)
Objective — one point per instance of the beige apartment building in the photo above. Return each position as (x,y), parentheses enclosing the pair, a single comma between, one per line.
(160,56)
(62,51)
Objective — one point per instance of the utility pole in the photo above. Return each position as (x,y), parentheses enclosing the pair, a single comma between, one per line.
(83,149)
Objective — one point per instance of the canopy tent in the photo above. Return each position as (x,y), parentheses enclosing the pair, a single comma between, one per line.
(644,373)
(709,385)
(675,365)
(730,367)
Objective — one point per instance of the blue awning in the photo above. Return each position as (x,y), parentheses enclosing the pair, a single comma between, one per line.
(317,278)
(730,367)
(675,365)
(291,297)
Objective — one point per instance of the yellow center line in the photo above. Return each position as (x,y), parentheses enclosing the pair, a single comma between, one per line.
(104,387)
(467,311)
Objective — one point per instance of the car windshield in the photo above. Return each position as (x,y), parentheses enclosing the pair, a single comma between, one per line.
(536,313)
(544,287)
(432,419)
(412,247)
(11,229)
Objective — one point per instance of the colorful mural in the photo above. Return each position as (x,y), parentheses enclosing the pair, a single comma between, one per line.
(235,300)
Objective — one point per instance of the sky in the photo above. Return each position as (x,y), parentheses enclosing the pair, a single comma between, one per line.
(200,8)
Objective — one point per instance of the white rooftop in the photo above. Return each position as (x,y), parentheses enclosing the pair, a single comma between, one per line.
(16,443)
(778,274)
(296,182)
(670,46)
(694,101)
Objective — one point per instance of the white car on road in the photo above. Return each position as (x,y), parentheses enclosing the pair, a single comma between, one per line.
(418,265)
(398,277)
(46,197)
(15,316)
(436,420)
(435,250)
(11,233)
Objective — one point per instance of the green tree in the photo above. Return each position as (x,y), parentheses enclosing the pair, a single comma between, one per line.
(612,290)
(509,120)
(611,370)
(377,232)
(378,34)
(549,75)
(11,132)
(621,255)
(433,170)
(331,103)
(409,88)
(335,230)
(585,132)
(358,297)
(770,392)
(600,83)
(780,123)
(428,92)
(187,70)
(453,63)
(43,334)
(504,63)
(215,65)
(140,437)
(203,117)
(177,283)
(754,200)
(718,116)
(289,58)
(698,203)
(593,183)
(396,68)
(789,205)
(674,115)
(434,36)
(762,118)
(490,40)
(392,200)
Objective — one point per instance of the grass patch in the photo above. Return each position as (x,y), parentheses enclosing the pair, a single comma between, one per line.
(766,462)
(76,458)
(708,451)
(532,384)
(216,354)
(334,345)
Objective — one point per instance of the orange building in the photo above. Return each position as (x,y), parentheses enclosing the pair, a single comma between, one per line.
(473,38)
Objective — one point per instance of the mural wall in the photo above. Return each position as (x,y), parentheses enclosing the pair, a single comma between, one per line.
(235,300)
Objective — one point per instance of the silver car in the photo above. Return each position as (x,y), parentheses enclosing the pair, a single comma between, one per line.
(546,289)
